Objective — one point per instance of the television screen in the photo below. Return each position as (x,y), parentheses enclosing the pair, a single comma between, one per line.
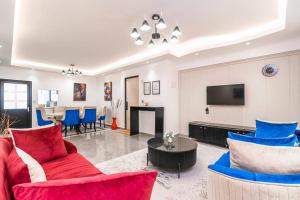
(226,95)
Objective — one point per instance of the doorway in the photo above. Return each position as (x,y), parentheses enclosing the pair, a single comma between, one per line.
(131,97)
(16,102)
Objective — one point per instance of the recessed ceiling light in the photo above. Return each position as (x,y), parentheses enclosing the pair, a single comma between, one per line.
(0,46)
(248,43)
(196,54)
(147,62)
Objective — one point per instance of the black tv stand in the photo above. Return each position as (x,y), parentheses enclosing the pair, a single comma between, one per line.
(214,133)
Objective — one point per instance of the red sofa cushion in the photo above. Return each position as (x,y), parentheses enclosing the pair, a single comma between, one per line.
(17,171)
(125,186)
(43,144)
(5,149)
(70,147)
(71,166)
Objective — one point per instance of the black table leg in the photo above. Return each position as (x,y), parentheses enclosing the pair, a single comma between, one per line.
(147,159)
(179,168)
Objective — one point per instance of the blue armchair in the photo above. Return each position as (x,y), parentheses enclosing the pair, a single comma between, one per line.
(41,118)
(246,184)
(71,118)
(102,117)
(89,115)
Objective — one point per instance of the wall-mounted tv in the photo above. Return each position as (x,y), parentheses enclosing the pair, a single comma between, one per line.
(226,94)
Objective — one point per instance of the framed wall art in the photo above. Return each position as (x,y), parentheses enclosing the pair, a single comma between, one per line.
(79,92)
(155,87)
(107,91)
(147,88)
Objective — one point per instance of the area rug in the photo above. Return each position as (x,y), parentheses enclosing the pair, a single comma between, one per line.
(192,184)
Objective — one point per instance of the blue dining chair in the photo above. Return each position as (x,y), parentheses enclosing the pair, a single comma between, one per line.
(41,118)
(89,116)
(71,118)
(102,117)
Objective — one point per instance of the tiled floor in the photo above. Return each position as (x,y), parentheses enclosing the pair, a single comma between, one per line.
(106,145)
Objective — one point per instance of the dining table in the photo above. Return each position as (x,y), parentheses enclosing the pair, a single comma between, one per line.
(57,116)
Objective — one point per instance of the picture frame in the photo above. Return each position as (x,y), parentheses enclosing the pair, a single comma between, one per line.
(147,88)
(79,92)
(155,87)
(107,91)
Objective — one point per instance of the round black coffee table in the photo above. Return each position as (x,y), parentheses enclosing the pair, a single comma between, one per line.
(181,156)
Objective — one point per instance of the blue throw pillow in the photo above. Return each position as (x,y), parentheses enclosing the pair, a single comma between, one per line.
(274,130)
(287,141)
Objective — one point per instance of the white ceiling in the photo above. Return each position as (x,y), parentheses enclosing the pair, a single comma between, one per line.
(6,30)
(94,34)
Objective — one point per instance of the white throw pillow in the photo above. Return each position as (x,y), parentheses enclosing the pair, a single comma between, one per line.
(36,171)
(264,159)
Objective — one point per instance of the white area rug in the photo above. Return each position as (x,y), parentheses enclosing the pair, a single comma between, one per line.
(191,185)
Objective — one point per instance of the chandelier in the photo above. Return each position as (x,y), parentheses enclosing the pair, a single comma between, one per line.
(71,71)
(158,24)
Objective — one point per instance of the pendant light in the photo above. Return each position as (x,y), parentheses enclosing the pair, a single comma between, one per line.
(145,26)
(134,33)
(161,24)
(165,41)
(156,36)
(151,44)
(176,31)
(139,41)
(174,39)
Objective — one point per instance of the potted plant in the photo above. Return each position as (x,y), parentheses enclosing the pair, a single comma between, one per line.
(114,109)
(5,123)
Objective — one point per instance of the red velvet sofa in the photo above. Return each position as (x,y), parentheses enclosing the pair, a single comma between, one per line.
(73,177)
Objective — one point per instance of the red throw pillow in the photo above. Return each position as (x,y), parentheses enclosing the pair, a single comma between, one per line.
(43,144)
(17,171)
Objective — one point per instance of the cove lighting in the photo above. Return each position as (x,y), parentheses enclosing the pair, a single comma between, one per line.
(177,50)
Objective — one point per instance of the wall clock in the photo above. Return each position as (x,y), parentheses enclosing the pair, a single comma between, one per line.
(270,70)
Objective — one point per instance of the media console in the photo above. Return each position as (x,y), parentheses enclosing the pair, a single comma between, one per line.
(214,133)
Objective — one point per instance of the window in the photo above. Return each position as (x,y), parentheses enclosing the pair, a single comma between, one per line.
(15,96)
(48,98)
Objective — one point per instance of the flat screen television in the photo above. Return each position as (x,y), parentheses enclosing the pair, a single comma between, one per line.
(226,94)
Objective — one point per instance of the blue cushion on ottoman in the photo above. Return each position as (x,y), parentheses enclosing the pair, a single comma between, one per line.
(274,130)
(292,140)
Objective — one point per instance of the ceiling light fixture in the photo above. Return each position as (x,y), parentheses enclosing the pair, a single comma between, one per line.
(176,31)
(0,46)
(139,41)
(145,26)
(134,33)
(165,41)
(71,71)
(161,24)
(158,23)
(248,43)
(174,39)
(151,44)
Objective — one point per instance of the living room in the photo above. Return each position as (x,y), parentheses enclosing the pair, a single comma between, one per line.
(175,99)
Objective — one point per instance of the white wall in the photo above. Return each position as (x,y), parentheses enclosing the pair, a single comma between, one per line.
(276,98)
(54,81)
(168,98)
